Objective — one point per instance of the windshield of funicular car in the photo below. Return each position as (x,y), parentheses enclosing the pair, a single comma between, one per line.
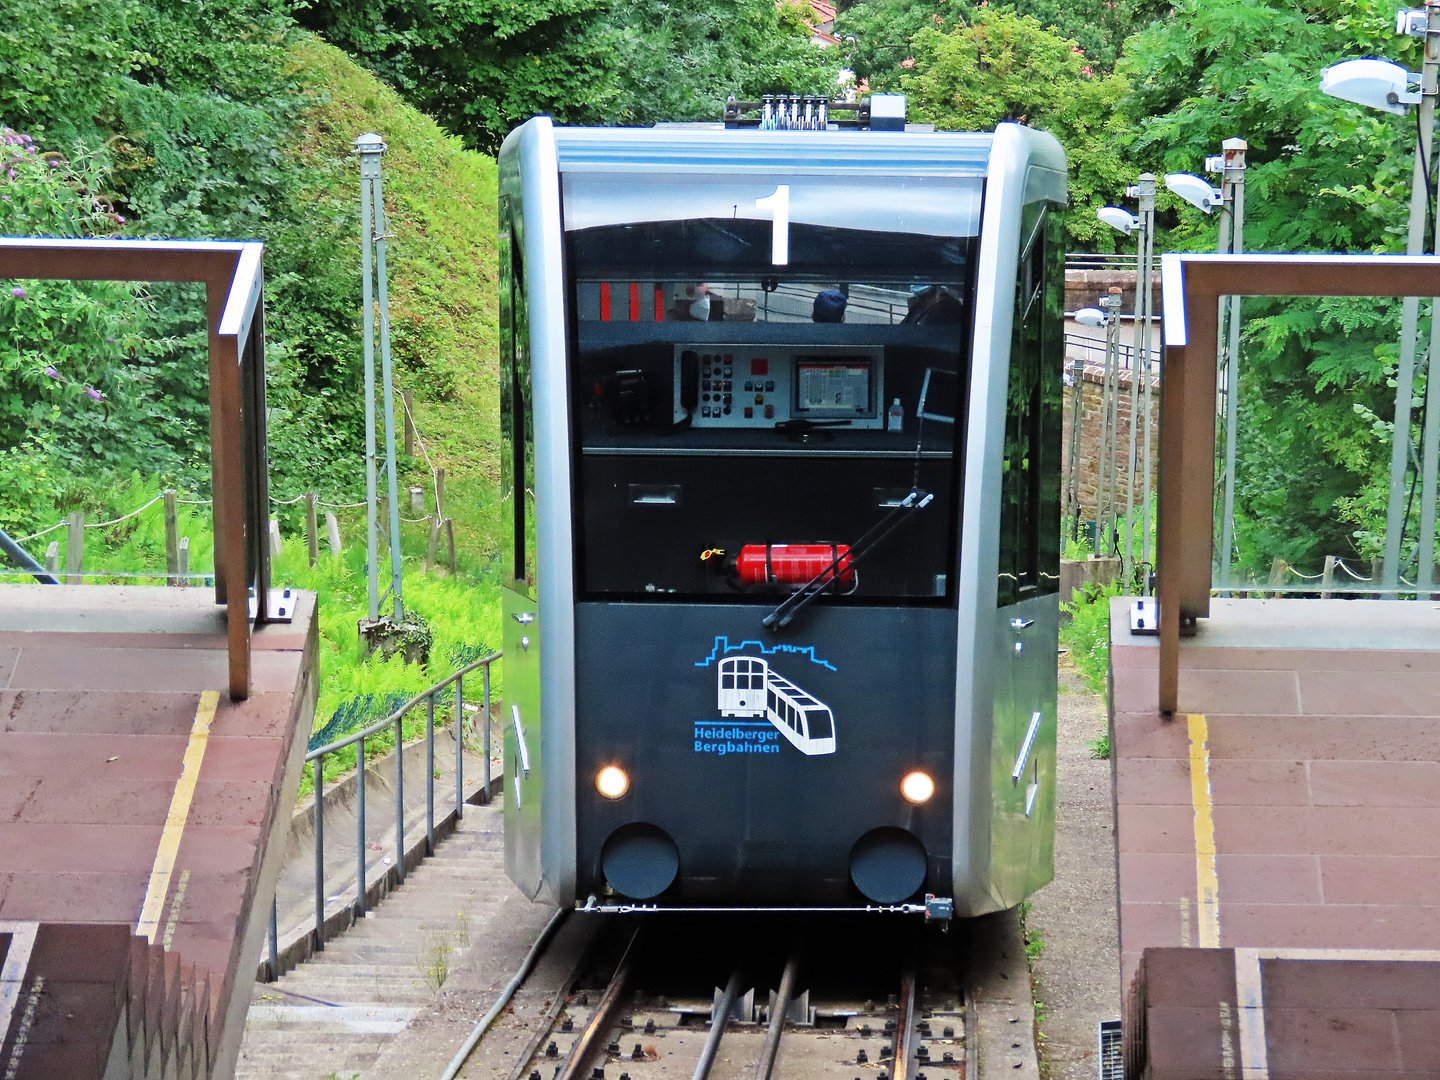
(762,368)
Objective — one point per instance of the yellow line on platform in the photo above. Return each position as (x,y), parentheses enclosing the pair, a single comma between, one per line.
(1207,881)
(180,801)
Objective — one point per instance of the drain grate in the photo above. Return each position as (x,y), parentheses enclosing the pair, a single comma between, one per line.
(1111,1062)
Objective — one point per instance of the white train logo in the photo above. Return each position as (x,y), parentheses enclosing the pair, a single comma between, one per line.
(749,688)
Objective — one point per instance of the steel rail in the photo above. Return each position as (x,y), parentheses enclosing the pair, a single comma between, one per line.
(526,966)
(766,1065)
(905,1027)
(592,1039)
(718,1021)
(557,1006)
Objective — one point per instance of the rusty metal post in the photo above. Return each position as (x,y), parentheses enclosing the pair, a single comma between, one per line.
(312,528)
(172,543)
(1187,478)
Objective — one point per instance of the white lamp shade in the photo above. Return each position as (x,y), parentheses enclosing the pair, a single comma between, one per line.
(1118,219)
(1089,316)
(1376,84)
(1192,189)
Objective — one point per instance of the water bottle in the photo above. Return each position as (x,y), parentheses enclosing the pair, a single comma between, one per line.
(895,417)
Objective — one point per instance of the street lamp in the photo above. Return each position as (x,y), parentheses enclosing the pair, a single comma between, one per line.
(1197,192)
(1121,221)
(1124,222)
(1378,84)
(1091,317)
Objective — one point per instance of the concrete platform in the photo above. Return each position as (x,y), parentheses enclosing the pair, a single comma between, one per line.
(133,792)
(1294,801)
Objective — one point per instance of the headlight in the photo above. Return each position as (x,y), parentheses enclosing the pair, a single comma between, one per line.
(612,781)
(917,787)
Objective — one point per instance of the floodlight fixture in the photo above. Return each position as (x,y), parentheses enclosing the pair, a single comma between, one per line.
(1118,219)
(1089,316)
(1376,84)
(1197,192)
(1412,22)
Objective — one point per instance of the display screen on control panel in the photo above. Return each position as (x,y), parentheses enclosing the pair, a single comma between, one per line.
(832,386)
(748,386)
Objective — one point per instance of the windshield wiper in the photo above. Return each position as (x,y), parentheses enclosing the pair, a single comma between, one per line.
(792,604)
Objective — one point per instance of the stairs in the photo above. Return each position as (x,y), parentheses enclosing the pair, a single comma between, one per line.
(336,1013)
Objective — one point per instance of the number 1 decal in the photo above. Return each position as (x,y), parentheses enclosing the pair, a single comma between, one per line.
(778,204)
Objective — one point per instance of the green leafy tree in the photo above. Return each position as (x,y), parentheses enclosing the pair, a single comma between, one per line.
(62,64)
(1316,376)
(73,358)
(877,35)
(678,62)
(481,67)
(1007,67)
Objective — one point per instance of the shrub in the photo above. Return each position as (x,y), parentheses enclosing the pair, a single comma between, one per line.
(1087,635)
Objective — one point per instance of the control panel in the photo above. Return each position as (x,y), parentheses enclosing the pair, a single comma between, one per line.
(748,386)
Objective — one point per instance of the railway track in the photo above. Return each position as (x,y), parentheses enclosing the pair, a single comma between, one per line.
(737,998)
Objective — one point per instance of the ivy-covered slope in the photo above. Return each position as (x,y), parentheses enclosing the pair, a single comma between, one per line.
(440,201)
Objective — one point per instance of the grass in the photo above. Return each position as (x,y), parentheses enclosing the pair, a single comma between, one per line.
(1087,635)
(1100,748)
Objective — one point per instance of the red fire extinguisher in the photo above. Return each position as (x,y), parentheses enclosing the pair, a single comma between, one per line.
(794,565)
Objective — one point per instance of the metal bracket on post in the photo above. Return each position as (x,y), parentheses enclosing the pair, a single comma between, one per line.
(281,609)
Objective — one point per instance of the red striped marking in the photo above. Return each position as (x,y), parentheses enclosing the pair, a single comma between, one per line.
(659,304)
(634,301)
(604,301)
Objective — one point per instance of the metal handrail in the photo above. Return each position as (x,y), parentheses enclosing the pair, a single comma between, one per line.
(395,719)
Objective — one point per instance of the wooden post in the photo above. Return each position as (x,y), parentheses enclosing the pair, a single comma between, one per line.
(275,547)
(440,493)
(1377,575)
(1327,578)
(171,537)
(434,547)
(182,561)
(52,558)
(332,533)
(75,548)
(409,422)
(312,530)
(450,541)
(1277,575)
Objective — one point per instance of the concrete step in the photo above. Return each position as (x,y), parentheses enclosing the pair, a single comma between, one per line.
(376,972)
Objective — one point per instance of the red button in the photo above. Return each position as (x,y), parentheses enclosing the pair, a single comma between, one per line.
(749,411)
(760,365)
(769,412)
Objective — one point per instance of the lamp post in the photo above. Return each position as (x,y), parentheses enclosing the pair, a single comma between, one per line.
(1109,437)
(1124,222)
(1144,191)
(1095,318)
(1230,198)
(370,147)
(1231,164)
(1390,88)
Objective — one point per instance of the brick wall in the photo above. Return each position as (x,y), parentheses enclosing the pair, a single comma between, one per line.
(1091,430)
(1084,288)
